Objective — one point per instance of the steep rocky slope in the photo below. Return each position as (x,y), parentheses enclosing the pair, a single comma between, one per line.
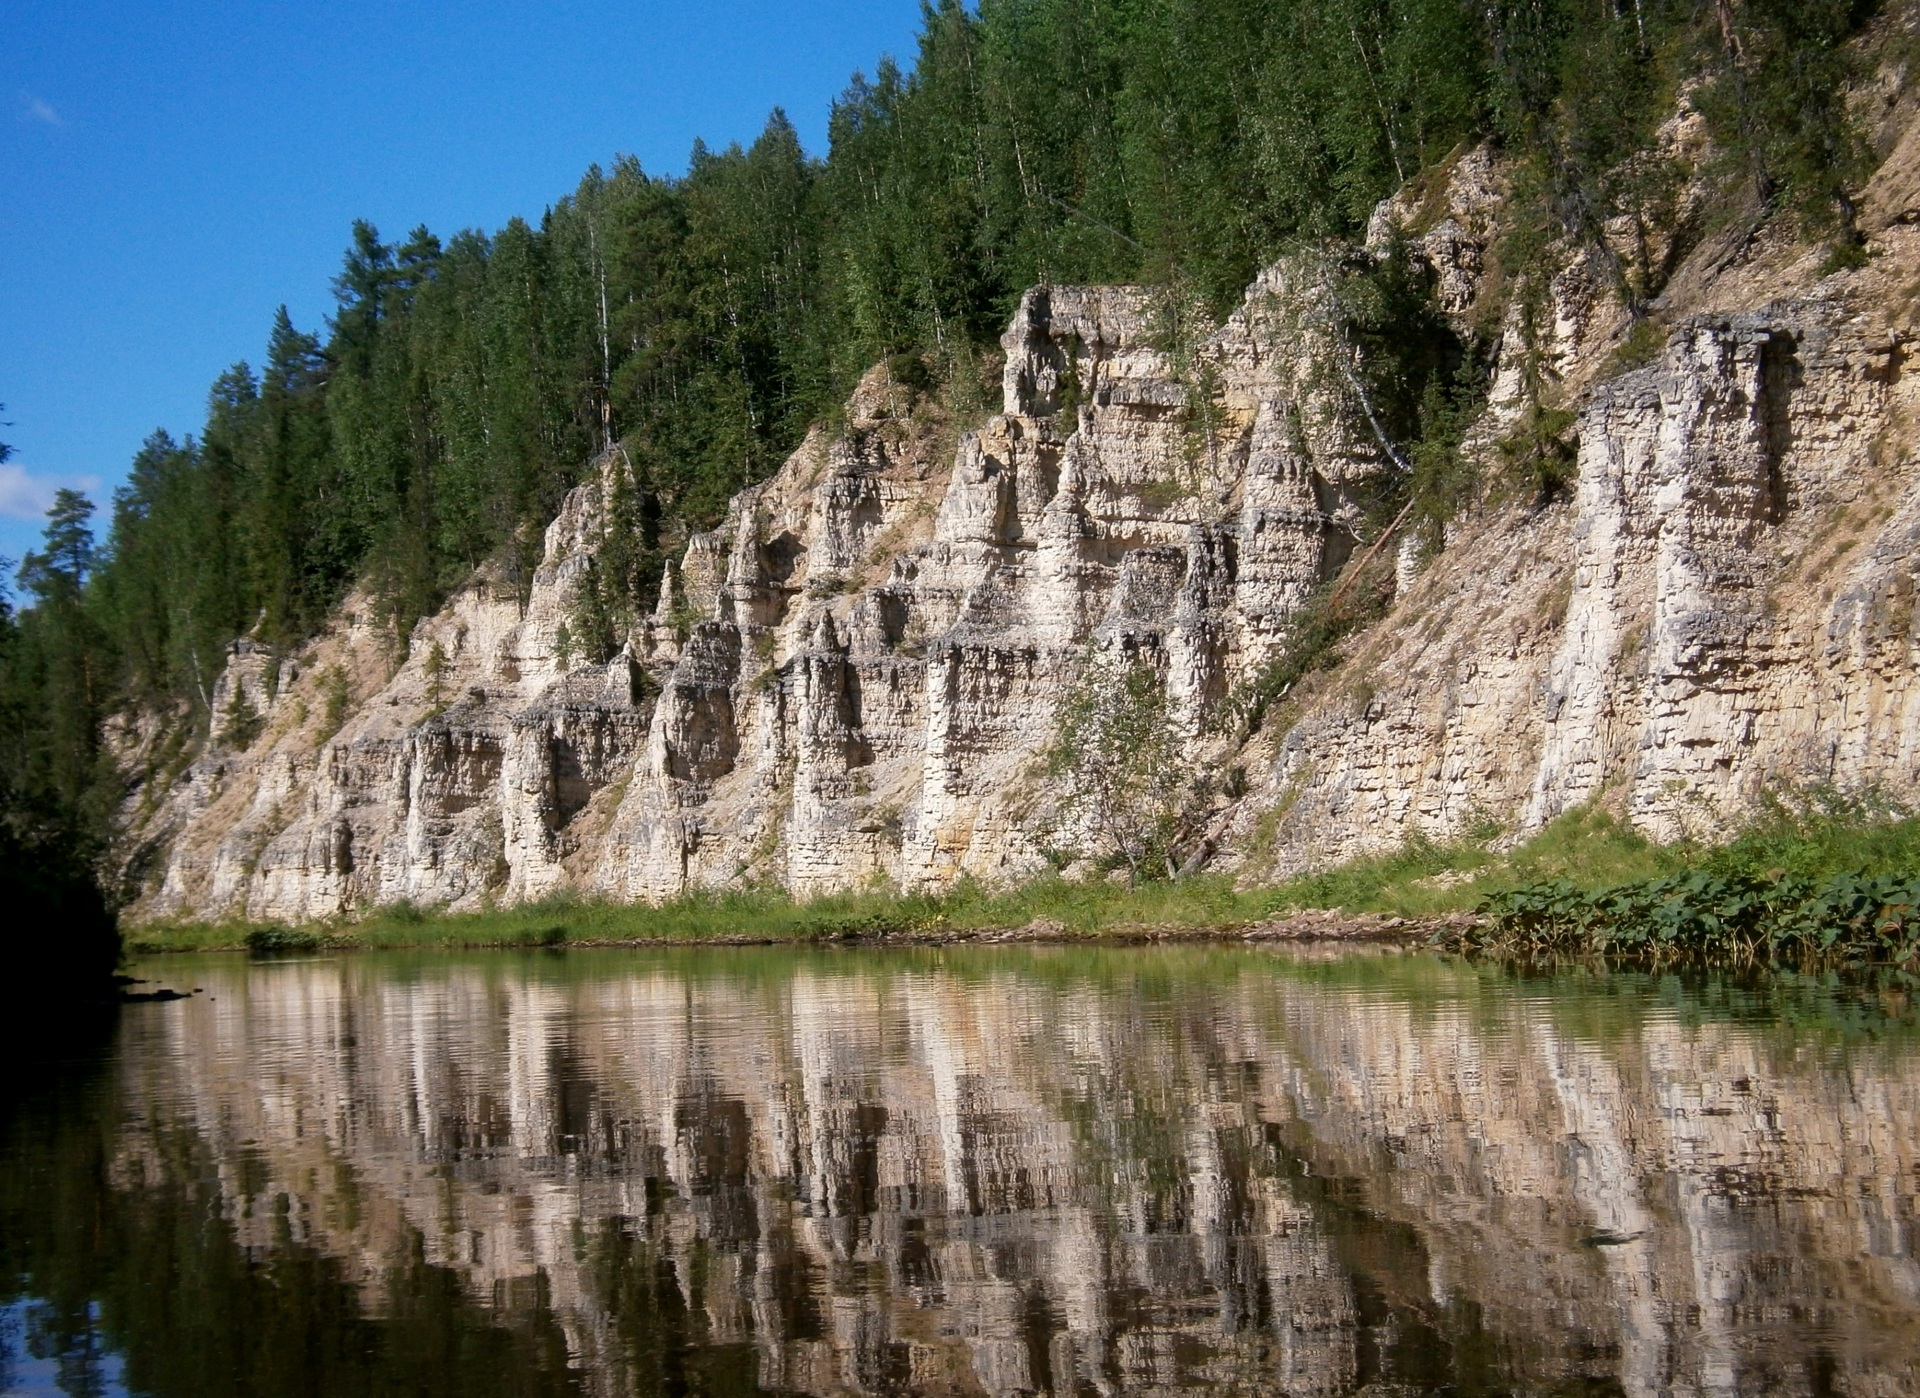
(854,677)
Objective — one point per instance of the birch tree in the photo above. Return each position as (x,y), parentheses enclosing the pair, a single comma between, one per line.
(1118,757)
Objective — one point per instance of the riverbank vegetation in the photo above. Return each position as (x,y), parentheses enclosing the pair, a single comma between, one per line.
(1817,876)
(52,823)
(1821,879)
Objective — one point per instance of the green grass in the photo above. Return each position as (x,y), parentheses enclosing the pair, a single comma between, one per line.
(1820,878)
(1089,910)
(1425,878)
(1812,837)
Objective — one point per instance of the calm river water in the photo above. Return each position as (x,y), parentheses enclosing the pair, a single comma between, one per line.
(969,1171)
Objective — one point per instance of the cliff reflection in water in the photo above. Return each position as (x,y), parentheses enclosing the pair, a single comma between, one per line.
(1114,1172)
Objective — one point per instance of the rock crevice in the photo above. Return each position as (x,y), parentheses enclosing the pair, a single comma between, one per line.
(856,675)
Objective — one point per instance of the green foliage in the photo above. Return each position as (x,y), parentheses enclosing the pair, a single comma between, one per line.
(1407,348)
(274,939)
(1579,92)
(1739,915)
(1118,756)
(623,579)
(1424,381)
(1201,904)
(1540,451)
(1777,107)
(242,722)
(55,793)
(435,670)
(55,787)
(336,693)
(1819,877)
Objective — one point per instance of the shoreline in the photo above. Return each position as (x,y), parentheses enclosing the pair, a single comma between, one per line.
(1825,882)
(1314,925)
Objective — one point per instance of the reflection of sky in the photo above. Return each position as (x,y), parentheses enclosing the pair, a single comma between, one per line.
(33,1366)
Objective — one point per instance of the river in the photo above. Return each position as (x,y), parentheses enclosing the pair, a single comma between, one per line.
(1003,1171)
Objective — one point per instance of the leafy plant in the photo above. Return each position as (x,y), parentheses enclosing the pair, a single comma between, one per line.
(1821,876)
(1737,916)
(275,939)
(1118,755)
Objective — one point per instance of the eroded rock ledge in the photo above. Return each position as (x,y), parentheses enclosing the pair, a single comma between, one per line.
(852,678)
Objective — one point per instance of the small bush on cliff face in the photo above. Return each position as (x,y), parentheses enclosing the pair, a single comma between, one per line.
(1645,341)
(1540,452)
(336,694)
(435,671)
(1118,758)
(242,722)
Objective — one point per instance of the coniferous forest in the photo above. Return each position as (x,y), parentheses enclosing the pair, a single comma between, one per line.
(466,380)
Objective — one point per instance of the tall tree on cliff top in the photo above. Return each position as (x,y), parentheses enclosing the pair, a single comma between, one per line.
(295,565)
(701,322)
(52,820)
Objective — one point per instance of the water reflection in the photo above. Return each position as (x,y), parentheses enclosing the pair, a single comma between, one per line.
(1026,1171)
(43,1354)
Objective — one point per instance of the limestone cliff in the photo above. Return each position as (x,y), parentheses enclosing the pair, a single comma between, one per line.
(853,677)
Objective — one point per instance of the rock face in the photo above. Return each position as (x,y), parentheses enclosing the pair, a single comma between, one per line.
(855,676)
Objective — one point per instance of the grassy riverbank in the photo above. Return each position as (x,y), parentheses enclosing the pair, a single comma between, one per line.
(760,915)
(1421,881)
(1820,879)
(1584,882)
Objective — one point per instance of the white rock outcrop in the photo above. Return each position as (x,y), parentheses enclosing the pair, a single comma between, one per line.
(854,677)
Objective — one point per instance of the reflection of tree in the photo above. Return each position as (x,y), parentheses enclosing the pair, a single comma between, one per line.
(1197,1171)
(156,1273)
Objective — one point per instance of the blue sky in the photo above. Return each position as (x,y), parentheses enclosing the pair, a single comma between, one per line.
(170,173)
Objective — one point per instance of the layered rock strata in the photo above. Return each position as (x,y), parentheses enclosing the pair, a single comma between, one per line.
(855,676)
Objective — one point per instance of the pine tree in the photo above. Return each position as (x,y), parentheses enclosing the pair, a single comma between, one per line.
(699,323)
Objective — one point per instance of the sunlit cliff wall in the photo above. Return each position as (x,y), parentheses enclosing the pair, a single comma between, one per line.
(854,676)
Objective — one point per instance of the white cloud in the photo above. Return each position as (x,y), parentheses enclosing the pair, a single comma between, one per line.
(22,495)
(39,110)
(26,496)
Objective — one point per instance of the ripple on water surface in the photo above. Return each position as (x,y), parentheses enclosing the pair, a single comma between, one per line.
(1007,1171)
